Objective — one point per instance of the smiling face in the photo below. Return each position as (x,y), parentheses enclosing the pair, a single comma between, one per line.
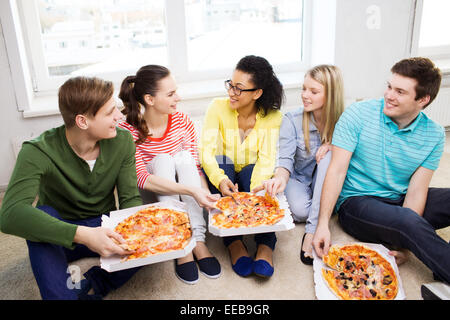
(166,98)
(400,100)
(103,124)
(313,94)
(243,81)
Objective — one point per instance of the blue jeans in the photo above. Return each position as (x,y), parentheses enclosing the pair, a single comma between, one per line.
(379,220)
(243,179)
(49,263)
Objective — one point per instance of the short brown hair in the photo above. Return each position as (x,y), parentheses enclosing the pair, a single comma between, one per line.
(423,70)
(83,95)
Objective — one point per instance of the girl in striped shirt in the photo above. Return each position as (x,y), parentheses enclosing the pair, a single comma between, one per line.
(166,149)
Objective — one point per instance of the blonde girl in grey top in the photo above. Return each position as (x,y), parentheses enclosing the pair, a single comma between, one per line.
(305,149)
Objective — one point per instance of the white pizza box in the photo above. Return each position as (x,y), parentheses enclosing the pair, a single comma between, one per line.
(114,263)
(323,292)
(287,223)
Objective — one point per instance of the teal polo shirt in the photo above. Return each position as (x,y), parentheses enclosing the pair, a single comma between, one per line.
(384,157)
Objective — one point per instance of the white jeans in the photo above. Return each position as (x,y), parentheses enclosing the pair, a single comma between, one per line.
(182,166)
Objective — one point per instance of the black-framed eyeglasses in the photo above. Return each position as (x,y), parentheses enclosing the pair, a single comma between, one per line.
(237,91)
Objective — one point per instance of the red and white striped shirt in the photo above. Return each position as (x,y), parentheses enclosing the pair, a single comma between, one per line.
(180,135)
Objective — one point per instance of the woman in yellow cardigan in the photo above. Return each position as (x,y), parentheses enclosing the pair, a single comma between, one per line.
(239,146)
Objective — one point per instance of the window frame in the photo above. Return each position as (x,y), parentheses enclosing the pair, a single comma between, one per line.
(434,53)
(176,48)
(37,97)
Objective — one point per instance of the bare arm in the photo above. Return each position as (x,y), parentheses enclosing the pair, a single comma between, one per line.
(332,187)
(164,186)
(416,196)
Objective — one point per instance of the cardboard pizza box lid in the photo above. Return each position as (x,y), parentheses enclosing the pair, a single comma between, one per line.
(114,263)
(287,223)
(323,292)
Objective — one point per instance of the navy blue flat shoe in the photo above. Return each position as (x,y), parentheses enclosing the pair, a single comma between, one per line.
(187,272)
(210,267)
(262,268)
(243,266)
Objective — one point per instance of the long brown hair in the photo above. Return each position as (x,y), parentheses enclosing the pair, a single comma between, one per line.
(132,93)
(331,78)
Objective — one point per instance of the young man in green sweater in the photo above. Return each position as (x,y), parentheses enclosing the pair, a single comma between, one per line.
(74,170)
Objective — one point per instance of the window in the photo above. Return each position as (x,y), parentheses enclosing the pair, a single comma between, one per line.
(196,39)
(434,38)
(219,33)
(85,37)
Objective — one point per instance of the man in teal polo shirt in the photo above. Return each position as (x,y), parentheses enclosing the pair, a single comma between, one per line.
(384,155)
(74,170)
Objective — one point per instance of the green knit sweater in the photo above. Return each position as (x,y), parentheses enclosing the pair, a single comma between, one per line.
(47,166)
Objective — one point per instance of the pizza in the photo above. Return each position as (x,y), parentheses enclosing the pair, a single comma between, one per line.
(244,209)
(359,273)
(154,230)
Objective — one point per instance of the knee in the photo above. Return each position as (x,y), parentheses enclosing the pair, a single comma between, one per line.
(299,208)
(163,157)
(162,165)
(410,224)
(184,158)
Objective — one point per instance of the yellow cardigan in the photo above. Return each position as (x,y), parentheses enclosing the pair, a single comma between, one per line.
(220,136)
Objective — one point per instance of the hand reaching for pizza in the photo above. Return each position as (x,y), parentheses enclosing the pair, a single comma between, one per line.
(226,187)
(321,240)
(275,185)
(104,241)
(204,198)
(272,186)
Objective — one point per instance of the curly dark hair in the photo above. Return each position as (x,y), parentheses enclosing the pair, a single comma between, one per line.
(264,78)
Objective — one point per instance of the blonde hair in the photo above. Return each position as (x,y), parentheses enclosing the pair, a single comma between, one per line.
(331,78)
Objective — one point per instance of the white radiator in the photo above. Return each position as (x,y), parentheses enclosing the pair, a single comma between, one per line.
(439,110)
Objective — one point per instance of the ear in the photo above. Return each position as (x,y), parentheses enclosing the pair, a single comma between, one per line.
(257,94)
(81,121)
(424,101)
(149,99)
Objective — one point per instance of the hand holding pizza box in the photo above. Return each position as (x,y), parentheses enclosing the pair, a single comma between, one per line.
(153,233)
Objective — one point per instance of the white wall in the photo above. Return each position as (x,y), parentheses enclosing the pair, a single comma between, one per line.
(371,35)
(12,124)
(365,56)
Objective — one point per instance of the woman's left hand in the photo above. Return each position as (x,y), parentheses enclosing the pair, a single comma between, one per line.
(322,151)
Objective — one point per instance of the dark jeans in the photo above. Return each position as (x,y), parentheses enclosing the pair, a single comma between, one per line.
(243,180)
(49,263)
(379,220)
